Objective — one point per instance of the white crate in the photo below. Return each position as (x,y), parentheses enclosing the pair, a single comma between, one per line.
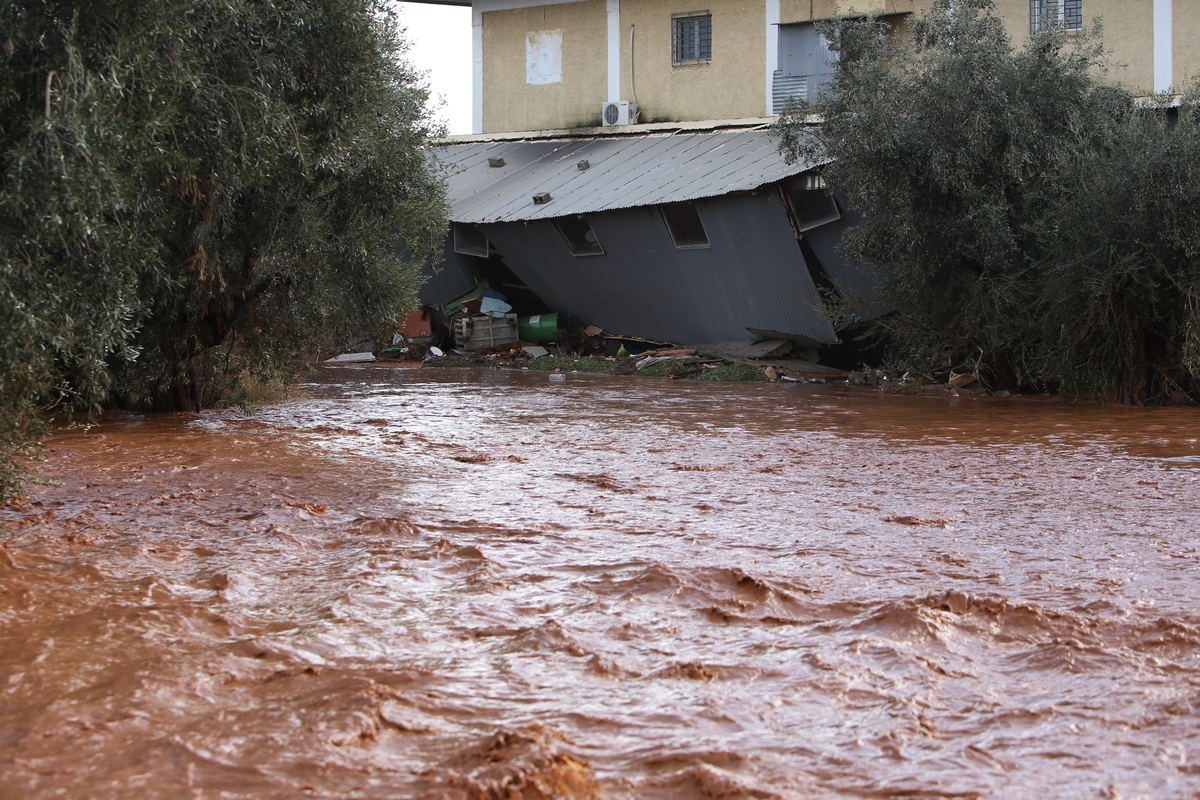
(471,333)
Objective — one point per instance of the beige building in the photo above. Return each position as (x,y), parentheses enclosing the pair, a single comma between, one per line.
(550,65)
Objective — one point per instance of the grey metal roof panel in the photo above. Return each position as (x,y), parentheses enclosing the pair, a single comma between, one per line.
(624,172)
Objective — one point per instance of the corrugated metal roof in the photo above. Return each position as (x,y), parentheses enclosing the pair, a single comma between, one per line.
(624,172)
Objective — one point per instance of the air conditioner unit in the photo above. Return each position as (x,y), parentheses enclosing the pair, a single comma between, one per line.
(622,112)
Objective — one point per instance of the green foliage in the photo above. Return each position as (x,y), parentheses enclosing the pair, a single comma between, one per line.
(745,373)
(1017,208)
(194,191)
(1119,309)
(572,364)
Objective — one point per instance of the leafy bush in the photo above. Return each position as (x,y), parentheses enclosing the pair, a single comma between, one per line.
(194,191)
(1019,211)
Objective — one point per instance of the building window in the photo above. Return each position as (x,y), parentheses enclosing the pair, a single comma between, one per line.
(806,64)
(470,241)
(686,228)
(1044,14)
(810,201)
(580,238)
(691,38)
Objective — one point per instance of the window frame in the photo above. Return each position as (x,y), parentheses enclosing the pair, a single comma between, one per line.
(810,201)
(463,244)
(589,248)
(1065,13)
(701,39)
(688,204)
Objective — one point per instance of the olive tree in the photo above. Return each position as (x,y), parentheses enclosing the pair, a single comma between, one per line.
(983,172)
(194,191)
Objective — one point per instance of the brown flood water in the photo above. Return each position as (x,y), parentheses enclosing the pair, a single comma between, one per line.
(423,583)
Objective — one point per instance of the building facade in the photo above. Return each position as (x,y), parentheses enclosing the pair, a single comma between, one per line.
(547,64)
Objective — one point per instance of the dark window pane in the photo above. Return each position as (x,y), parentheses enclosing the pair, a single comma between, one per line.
(1068,13)
(1073,14)
(685,225)
(470,241)
(691,38)
(580,238)
(811,203)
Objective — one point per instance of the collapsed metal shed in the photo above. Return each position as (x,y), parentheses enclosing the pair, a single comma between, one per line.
(683,236)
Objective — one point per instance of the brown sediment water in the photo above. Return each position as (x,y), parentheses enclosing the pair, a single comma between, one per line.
(460,584)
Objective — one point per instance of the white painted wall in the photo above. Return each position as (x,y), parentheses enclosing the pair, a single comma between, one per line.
(1164,46)
(614,50)
(772,50)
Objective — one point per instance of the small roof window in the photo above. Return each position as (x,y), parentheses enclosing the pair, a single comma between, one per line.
(469,240)
(686,228)
(811,202)
(691,38)
(580,238)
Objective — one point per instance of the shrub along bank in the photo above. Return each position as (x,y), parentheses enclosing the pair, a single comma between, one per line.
(1021,214)
(193,191)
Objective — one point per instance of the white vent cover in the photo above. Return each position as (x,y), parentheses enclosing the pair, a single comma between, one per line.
(622,112)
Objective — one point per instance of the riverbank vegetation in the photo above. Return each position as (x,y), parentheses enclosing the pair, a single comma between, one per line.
(192,191)
(1023,213)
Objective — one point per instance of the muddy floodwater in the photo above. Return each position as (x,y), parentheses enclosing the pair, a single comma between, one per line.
(484,584)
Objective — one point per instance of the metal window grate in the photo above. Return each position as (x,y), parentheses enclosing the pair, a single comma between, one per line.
(691,38)
(1073,14)
(1067,13)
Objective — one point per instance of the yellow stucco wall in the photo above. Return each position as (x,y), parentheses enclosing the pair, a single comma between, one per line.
(1186,26)
(1128,30)
(732,86)
(511,104)
(1128,27)
(805,10)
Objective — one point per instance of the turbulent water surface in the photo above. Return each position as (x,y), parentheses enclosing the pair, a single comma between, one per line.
(444,583)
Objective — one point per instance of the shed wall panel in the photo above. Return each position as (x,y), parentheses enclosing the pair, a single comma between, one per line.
(453,277)
(753,275)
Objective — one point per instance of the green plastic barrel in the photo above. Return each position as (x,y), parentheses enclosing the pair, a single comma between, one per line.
(540,328)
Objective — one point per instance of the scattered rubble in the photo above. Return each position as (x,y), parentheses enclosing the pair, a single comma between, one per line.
(484,329)
(961,380)
(350,358)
